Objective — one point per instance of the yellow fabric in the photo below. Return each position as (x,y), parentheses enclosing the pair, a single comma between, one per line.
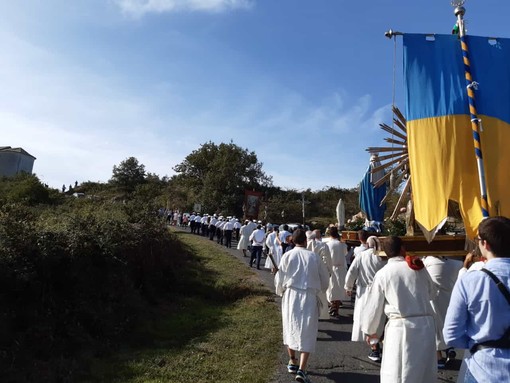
(443,166)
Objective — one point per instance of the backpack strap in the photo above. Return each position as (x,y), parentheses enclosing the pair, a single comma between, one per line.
(504,341)
(498,283)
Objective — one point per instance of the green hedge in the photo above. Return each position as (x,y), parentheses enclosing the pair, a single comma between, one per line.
(74,278)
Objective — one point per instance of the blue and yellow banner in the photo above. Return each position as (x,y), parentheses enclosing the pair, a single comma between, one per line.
(441,151)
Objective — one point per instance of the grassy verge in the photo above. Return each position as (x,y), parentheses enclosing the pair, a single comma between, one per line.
(222,325)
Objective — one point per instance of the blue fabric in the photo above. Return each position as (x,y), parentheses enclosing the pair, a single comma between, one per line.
(469,378)
(435,80)
(256,254)
(370,198)
(478,312)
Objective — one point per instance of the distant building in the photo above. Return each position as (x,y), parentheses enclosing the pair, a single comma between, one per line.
(14,161)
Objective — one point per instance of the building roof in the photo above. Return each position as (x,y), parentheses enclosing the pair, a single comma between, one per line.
(15,150)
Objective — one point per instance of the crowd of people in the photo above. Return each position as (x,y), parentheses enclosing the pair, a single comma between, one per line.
(411,311)
(174,217)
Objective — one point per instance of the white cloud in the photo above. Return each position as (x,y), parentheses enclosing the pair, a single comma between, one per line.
(80,123)
(138,8)
(76,123)
(305,144)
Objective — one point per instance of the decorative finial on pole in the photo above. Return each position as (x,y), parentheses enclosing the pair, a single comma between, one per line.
(459,12)
(389,34)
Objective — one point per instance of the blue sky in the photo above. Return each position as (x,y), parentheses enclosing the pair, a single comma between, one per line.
(86,84)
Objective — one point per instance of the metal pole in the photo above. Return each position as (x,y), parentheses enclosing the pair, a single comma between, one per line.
(303,205)
(475,122)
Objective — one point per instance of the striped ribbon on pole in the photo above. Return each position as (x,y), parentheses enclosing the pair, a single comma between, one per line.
(475,121)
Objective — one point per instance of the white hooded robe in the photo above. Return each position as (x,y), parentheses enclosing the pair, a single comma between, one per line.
(301,276)
(362,272)
(404,294)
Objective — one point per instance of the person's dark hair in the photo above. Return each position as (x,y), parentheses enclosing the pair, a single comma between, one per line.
(363,235)
(259,226)
(286,227)
(392,246)
(496,231)
(299,237)
(333,232)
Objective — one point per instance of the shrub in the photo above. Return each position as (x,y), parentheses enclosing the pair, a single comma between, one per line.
(76,277)
(24,188)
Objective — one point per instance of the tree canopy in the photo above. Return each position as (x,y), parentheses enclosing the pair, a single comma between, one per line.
(217,176)
(128,174)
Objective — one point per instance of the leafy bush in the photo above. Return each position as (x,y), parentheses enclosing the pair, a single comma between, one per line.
(76,277)
(26,189)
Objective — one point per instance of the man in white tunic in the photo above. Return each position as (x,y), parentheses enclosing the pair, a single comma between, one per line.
(244,241)
(363,236)
(336,292)
(362,272)
(403,289)
(270,238)
(444,272)
(315,244)
(301,276)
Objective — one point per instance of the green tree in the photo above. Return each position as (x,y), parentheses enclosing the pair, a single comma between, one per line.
(320,205)
(217,176)
(128,174)
(152,190)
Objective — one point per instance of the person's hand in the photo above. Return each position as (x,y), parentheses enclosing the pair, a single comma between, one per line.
(372,339)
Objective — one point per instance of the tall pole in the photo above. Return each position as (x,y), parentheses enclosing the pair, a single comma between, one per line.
(475,121)
(303,205)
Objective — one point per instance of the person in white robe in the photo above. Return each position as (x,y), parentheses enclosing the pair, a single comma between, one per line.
(245,238)
(363,236)
(362,272)
(278,251)
(270,238)
(301,276)
(444,272)
(336,293)
(403,290)
(315,244)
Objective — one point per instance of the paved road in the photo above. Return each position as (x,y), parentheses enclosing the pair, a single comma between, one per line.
(336,359)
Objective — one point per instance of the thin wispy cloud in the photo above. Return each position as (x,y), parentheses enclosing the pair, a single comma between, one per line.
(138,8)
(78,124)
(81,114)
